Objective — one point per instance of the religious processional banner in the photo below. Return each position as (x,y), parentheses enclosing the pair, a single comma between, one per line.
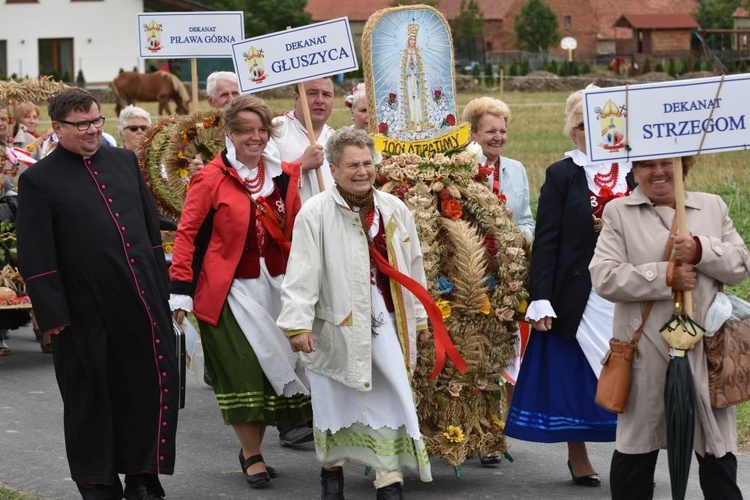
(294,55)
(181,35)
(408,64)
(667,119)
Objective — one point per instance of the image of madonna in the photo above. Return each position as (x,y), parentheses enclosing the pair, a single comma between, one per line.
(414,93)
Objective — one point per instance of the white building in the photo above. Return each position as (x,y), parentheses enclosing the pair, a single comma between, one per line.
(98,37)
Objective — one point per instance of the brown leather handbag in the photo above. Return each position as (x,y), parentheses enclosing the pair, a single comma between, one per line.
(613,388)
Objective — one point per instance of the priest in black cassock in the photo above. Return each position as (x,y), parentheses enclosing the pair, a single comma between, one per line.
(90,251)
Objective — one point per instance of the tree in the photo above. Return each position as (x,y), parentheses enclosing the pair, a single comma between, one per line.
(468,26)
(267,16)
(716,13)
(536,26)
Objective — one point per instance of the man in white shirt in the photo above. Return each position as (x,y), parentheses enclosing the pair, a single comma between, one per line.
(293,138)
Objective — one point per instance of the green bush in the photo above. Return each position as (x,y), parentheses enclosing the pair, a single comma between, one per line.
(659,68)
(513,70)
(672,68)
(525,67)
(585,69)
(80,80)
(647,65)
(552,67)
(697,65)
(489,75)
(742,67)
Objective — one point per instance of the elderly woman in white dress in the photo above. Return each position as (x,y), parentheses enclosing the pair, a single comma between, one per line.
(355,326)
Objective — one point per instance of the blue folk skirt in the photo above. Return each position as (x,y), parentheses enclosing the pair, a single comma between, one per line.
(554,395)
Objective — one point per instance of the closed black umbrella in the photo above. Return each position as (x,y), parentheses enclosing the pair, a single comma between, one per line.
(679,397)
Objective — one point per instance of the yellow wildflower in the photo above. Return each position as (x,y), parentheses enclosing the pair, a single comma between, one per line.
(445,308)
(168,248)
(184,173)
(454,434)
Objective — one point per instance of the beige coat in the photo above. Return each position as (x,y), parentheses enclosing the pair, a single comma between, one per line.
(627,270)
(327,288)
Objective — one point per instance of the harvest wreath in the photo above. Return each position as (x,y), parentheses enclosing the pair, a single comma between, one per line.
(168,150)
(476,263)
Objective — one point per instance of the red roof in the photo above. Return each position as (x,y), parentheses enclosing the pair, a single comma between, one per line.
(609,11)
(656,21)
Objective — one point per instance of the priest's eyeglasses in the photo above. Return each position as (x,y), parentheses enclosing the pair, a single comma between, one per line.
(84,125)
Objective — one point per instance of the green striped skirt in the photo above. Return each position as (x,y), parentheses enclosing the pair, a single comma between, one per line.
(244,393)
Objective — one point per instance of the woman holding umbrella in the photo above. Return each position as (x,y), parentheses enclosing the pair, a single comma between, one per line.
(628,269)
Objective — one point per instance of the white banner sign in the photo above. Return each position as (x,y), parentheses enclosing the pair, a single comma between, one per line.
(667,119)
(295,55)
(180,35)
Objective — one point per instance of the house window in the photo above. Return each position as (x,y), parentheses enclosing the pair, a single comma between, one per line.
(3,59)
(56,58)
(567,22)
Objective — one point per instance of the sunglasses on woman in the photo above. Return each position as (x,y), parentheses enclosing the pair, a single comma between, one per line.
(136,128)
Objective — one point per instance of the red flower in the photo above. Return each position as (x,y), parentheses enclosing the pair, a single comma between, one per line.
(451,208)
(490,243)
(383,128)
(483,173)
(444,194)
(450,120)
(503,199)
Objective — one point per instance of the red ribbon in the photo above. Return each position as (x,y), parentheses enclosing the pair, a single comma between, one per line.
(443,343)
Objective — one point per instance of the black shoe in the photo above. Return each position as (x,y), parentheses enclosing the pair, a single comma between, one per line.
(590,480)
(259,480)
(143,487)
(207,379)
(296,435)
(140,492)
(491,459)
(391,492)
(332,484)
(245,463)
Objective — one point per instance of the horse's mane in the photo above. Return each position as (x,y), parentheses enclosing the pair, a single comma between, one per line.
(180,88)
(119,98)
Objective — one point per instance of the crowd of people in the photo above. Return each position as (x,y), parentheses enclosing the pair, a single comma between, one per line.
(300,274)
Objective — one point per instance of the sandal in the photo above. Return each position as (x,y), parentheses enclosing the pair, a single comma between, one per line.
(261,479)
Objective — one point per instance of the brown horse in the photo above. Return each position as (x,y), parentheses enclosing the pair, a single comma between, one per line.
(161,86)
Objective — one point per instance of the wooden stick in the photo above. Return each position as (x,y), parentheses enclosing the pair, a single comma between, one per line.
(194,78)
(682,228)
(309,127)
(310,131)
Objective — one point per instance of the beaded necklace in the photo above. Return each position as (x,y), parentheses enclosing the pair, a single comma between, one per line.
(256,184)
(608,179)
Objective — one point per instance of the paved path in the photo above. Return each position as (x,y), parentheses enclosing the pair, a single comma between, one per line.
(32,453)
